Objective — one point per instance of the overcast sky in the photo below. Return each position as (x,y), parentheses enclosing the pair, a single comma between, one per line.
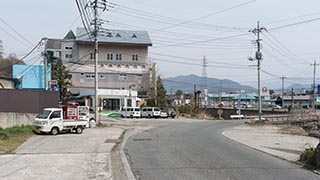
(183,32)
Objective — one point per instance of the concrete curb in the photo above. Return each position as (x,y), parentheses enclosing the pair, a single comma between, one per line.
(124,159)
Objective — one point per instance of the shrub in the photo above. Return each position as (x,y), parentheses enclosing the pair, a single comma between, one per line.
(308,157)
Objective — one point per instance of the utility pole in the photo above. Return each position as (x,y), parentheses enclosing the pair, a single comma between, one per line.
(314,85)
(282,89)
(96,53)
(45,65)
(204,81)
(292,99)
(220,92)
(258,57)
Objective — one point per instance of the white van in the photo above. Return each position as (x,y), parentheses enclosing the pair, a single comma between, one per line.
(150,112)
(131,112)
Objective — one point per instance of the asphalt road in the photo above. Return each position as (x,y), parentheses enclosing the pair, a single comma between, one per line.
(197,150)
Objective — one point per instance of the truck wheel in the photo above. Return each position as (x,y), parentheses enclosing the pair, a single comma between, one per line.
(79,130)
(54,131)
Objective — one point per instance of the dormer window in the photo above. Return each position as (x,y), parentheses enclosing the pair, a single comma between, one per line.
(134,36)
(118,35)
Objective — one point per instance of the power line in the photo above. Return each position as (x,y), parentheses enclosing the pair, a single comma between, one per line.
(172,20)
(21,36)
(14,37)
(290,53)
(205,16)
(297,17)
(85,23)
(197,60)
(295,24)
(204,41)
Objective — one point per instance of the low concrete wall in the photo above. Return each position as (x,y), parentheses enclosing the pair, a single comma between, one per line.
(16,119)
(231,111)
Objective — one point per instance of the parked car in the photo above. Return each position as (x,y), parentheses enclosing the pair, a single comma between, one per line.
(131,112)
(171,113)
(150,112)
(163,114)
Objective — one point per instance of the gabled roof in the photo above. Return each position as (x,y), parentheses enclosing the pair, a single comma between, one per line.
(70,35)
(116,37)
(9,78)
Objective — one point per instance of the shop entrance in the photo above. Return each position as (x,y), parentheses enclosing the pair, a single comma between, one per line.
(111,104)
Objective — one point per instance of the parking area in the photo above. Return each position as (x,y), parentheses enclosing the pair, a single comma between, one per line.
(65,156)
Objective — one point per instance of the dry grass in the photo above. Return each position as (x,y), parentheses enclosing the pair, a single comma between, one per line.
(12,138)
(293,130)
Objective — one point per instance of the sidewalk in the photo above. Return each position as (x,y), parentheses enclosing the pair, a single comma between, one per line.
(268,139)
(65,156)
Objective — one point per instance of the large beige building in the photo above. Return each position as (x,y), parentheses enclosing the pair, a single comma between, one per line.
(123,60)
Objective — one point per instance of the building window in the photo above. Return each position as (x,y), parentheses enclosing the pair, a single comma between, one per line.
(68,56)
(118,66)
(143,66)
(139,76)
(82,74)
(123,77)
(134,57)
(68,48)
(109,56)
(135,66)
(118,56)
(110,65)
(92,55)
(127,66)
(102,76)
(90,76)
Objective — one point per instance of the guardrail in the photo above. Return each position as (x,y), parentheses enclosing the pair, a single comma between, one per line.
(289,118)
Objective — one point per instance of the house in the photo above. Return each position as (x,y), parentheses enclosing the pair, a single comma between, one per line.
(8,82)
(297,101)
(122,61)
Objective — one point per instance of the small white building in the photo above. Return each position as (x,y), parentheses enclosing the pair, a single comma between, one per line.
(7,82)
(111,99)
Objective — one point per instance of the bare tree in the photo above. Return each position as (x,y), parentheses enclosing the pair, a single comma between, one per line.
(1,50)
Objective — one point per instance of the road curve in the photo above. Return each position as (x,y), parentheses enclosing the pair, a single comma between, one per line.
(197,150)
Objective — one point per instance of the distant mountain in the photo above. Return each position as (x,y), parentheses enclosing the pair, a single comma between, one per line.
(298,87)
(186,84)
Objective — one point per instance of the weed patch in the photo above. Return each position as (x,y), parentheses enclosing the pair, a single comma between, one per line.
(12,138)
(121,137)
(308,158)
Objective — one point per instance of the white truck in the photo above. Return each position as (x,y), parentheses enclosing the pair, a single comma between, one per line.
(53,120)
